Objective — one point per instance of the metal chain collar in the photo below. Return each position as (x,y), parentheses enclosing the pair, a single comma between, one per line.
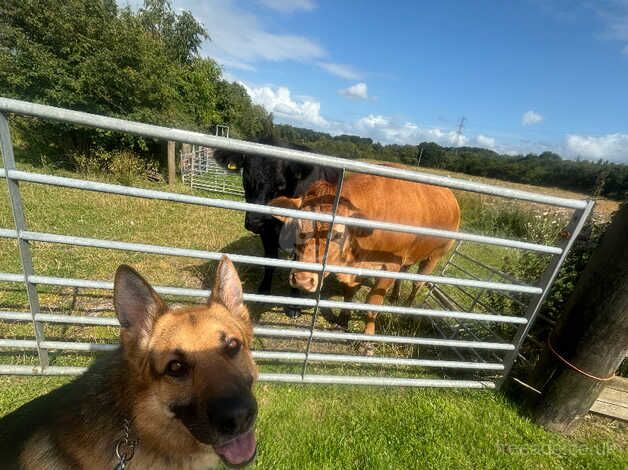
(125,447)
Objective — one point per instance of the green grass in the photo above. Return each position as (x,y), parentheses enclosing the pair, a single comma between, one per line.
(332,427)
(299,426)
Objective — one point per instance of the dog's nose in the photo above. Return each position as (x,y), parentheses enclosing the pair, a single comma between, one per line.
(304,280)
(232,415)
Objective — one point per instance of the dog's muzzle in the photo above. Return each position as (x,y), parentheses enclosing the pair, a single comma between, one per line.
(226,423)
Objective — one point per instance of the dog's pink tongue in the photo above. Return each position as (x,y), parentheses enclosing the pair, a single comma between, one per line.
(240,450)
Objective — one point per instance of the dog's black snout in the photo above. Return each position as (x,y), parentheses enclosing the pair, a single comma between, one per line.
(232,415)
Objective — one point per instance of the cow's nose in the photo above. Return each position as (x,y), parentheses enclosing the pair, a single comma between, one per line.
(304,280)
(253,223)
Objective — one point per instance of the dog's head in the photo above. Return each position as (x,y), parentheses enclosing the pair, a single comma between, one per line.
(192,369)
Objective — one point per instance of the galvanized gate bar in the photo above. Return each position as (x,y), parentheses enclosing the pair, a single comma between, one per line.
(335,336)
(8,233)
(288,378)
(377,381)
(10,277)
(257,260)
(278,355)
(270,210)
(165,133)
(24,249)
(274,299)
(274,332)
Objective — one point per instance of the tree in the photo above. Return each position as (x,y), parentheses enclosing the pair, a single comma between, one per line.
(92,56)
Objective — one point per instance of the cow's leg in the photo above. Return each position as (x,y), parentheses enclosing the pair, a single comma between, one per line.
(375,297)
(394,296)
(293,311)
(270,241)
(426,267)
(345,314)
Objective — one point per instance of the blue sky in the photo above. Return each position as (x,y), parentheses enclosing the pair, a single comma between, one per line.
(527,75)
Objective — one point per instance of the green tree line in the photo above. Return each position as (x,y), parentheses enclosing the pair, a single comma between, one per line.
(599,178)
(92,55)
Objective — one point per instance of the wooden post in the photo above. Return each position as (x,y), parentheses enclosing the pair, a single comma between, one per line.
(592,334)
(172,171)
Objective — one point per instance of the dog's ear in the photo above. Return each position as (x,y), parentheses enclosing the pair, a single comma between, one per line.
(227,289)
(286,203)
(136,302)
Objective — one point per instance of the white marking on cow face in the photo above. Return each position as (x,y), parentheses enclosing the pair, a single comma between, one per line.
(310,242)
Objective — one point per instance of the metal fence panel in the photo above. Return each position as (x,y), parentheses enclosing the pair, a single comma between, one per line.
(470,335)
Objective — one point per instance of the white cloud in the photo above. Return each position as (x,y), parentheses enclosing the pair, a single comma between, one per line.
(279,101)
(372,121)
(531,117)
(612,147)
(614,16)
(388,131)
(289,6)
(234,64)
(358,91)
(240,40)
(341,70)
(485,141)
(237,37)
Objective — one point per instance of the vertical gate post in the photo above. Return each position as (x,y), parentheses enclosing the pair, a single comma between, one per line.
(591,339)
(578,219)
(23,245)
(172,173)
(319,287)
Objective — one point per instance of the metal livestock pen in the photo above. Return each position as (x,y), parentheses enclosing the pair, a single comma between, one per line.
(467,352)
(200,170)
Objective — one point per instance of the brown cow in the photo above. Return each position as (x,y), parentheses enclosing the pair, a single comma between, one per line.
(374,198)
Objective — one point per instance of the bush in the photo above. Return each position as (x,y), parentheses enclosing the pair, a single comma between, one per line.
(530,266)
(124,166)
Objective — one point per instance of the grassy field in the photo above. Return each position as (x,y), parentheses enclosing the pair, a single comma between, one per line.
(333,427)
(299,426)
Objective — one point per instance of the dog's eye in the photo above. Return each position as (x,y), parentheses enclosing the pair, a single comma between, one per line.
(232,346)
(176,368)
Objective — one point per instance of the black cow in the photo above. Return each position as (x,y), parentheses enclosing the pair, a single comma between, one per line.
(264,179)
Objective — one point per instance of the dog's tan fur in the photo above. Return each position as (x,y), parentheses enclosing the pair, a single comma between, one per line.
(77,426)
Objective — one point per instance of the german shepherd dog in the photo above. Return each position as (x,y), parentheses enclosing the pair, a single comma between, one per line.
(176,394)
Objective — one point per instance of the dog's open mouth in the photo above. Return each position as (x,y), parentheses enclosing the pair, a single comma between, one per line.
(240,451)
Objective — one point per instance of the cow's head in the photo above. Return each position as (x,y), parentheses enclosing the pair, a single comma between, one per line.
(262,178)
(311,236)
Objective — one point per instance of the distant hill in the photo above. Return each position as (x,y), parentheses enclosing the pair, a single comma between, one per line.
(599,178)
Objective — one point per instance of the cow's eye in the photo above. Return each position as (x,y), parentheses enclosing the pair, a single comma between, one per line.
(232,346)
(176,368)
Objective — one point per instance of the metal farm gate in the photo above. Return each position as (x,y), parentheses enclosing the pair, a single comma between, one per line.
(200,170)
(466,344)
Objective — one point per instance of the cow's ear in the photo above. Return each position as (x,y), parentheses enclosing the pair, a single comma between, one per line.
(359,231)
(230,160)
(300,171)
(286,203)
